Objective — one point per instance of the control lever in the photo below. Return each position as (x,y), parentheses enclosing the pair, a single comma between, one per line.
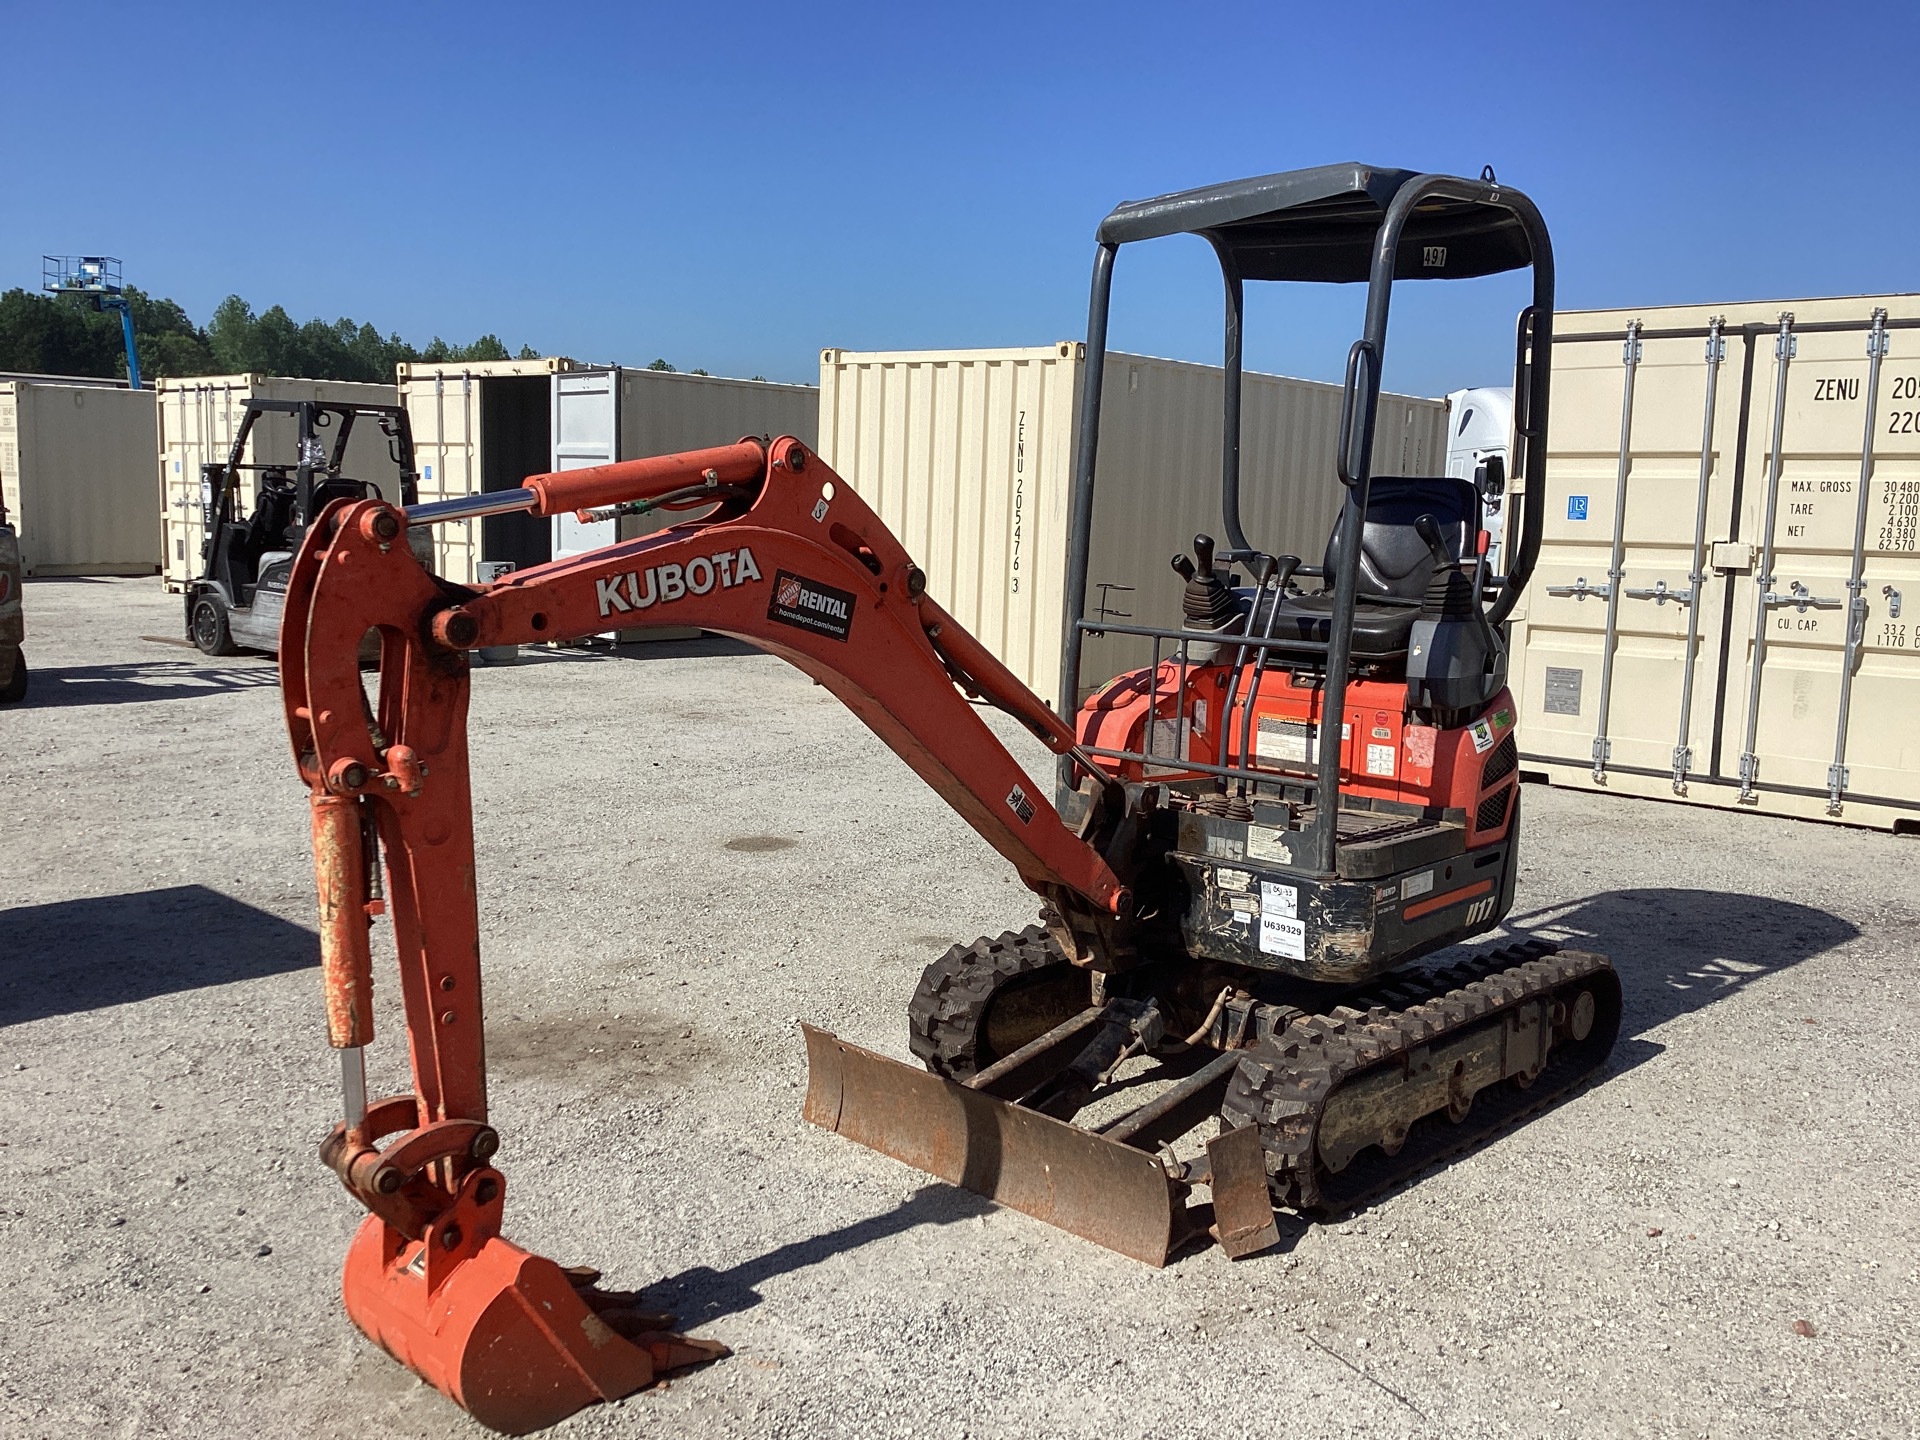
(1428,529)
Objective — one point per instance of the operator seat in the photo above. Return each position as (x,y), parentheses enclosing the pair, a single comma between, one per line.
(1396,564)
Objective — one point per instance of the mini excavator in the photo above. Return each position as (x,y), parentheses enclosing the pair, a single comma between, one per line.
(1254,839)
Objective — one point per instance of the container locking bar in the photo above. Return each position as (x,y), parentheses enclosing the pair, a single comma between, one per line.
(1630,357)
(1697,576)
(1837,776)
(1785,347)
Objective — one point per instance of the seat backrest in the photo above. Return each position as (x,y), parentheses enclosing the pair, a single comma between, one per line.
(1394,560)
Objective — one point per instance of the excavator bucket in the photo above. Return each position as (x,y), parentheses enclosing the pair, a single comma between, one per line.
(508,1336)
(1111,1193)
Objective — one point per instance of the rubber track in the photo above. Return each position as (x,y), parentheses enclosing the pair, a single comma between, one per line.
(944,1016)
(1284,1083)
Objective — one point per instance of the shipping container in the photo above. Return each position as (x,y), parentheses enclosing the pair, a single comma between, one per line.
(76,469)
(198,418)
(600,416)
(1722,607)
(480,426)
(967,455)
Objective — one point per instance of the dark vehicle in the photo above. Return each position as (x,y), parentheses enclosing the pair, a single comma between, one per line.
(246,557)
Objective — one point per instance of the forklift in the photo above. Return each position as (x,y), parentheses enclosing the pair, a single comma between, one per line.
(246,556)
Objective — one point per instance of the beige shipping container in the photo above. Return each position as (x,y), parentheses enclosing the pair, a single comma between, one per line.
(968,457)
(1721,612)
(480,426)
(198,418)
(76,470)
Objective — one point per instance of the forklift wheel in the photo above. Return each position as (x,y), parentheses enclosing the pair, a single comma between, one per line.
(16,686)
(210,631)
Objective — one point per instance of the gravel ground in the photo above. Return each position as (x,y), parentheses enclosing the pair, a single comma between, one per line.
(1632,1262)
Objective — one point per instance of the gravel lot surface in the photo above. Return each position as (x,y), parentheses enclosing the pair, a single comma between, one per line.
(1632,1262)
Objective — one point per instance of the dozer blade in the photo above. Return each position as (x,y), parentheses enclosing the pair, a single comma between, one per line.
(1100,1190)
(508,1336)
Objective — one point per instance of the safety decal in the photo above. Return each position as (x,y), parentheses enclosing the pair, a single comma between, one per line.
(1482,734)
(809,605)
(1018,802)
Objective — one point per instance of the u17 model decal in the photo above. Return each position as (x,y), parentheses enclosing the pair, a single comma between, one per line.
(663,584)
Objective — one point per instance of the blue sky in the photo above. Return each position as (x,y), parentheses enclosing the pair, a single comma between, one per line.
(737,186)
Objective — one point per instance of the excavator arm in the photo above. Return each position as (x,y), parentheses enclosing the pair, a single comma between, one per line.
(785,557)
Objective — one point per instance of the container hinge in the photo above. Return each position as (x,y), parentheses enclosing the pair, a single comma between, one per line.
(1893,601)
(1786,344)
(1682,763)
(1580,590)
(1660,594)
(1716,347)
(1878,337)
(1630,351)
(1838,778)
(1749,774)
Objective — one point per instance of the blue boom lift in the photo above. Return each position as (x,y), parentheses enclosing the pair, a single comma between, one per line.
(98,278)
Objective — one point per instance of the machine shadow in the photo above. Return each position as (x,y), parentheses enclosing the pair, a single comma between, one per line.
(79,955)
(704,1294)
(1678,951)
(141,682)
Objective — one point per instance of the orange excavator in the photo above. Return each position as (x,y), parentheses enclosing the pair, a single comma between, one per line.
(1252,841)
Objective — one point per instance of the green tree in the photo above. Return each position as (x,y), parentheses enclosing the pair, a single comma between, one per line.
(64,335)
(663,365)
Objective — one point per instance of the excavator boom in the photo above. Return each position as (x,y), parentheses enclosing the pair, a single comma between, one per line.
(787,558)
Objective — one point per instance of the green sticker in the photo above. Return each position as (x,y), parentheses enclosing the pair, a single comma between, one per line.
(1503,718)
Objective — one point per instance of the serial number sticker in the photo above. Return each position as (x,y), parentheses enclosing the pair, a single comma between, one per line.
(1266,843)
(1245,907)
(1282,932)
(1482,734)
(1232,879)
(1380,759)
(1416,885)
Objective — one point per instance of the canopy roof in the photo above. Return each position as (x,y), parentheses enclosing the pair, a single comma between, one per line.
(1321,224)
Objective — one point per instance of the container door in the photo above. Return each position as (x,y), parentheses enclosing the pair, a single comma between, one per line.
(1826,675)
(1624,616)
(586,431)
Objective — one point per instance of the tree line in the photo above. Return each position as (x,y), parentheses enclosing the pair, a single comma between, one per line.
(64,335)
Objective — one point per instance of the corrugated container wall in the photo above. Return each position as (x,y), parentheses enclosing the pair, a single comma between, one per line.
(198,419)
(1723,607)
(76,468)
(480,426)
(968,456)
